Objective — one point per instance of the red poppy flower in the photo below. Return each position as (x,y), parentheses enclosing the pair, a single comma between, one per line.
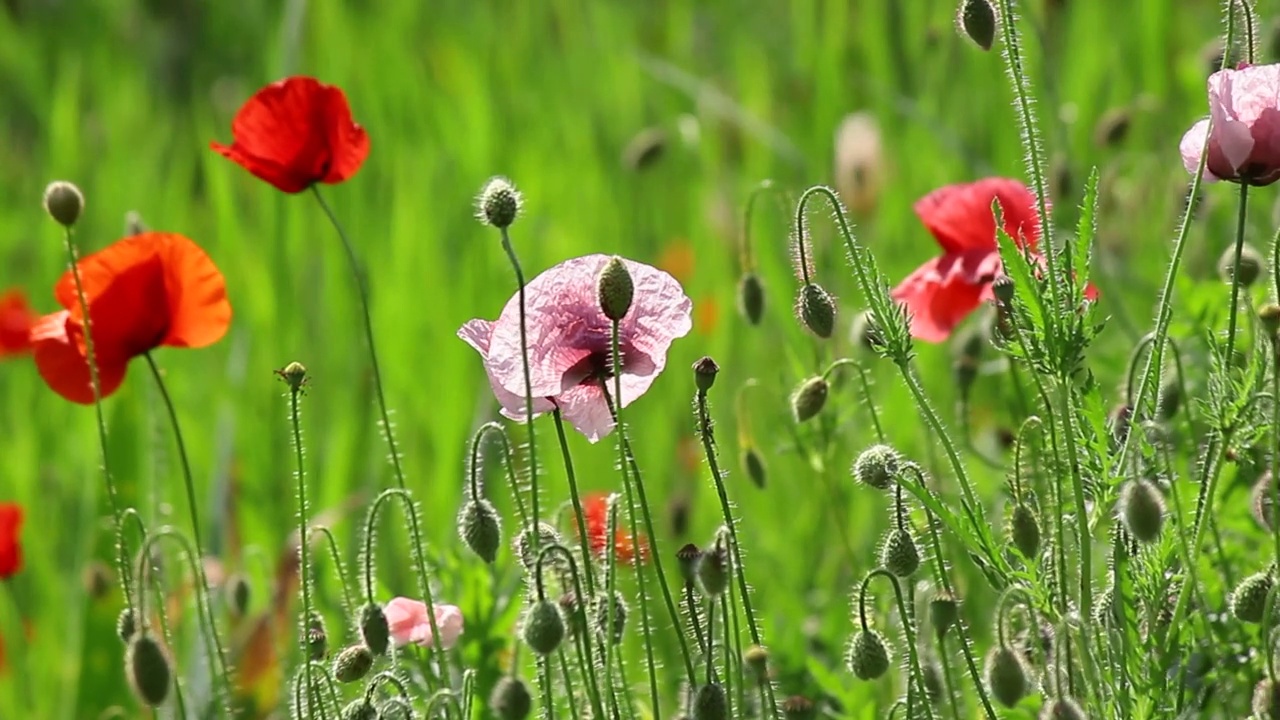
(146,291)
(16,320)
(944,290)
(297,132)
(628,549)
(10,548)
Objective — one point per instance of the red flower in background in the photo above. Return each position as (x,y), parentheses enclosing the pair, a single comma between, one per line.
(627,548)
(10,548)
(297,132)
(16,320)
(146,291)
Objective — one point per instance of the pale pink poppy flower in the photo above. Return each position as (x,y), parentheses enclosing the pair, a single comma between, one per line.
(1244,142)
(410,623)
(570,339)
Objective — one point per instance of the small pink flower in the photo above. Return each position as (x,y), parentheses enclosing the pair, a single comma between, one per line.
(1244,143)
(569,342)
(410,623)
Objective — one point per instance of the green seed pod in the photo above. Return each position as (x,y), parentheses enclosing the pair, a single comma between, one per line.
(480,529)
(688,557)
(899,554)
(149,669)
(704,374)
(1266,699)
(1062,709)
(751,298)
(543,627)
(1024,531)
(753,466)
(360,710)
(126,624)
(817,310)
(867,656)
(713,571)
(600,617)
(499,203)
(1006,673)
(877,467)
(808,399)
(352,664)
(1251,265)
(977,20)
(374,629)
(317,639)
(1249,599)
(523,543)
(615,289)
(510,699)
(64,202)
(1170,401)
(1142,510)
(944,612)
(798,707)
(710,703)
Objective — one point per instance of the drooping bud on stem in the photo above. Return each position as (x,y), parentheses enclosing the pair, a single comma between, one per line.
(877,467)
(809,398)
(374,630)
(977,20)
(352,664)
(510,699)
(817,310)
(1142,510)
(149,669)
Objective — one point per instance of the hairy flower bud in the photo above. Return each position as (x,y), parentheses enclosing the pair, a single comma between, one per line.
(751,298)
(1024,531)
(809,398)
(877,467)
(317,639)
(615,289)
(510,699)
(238,594)
(899,554)
(1251,264)
(1112,127)
(798,707)
(1142,510)
(374,630)
(713,571)
(126,624)
(499,203)
(1248,600)
(294,375)
(360,709)
(1003,290)
(1269,318)
(149,669)
(1262,501)
(977,19)
(1170,401)
(1007,676)
(480,528)
(543,627)
(600,616)
(710,703)
(756,659)
(523,543)
(817,310)
(944,612)
(867,655)
(64,202)
(352,664)
(754,467)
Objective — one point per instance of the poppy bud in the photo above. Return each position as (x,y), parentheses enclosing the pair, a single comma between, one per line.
(751,298)
(237,593)
(547,536)
(688,558)
(1266,699)
(543,627)
(395,708)
(1248,600)
(360,710)
(944,612)
(864,333)
(798,707)
(1263,501)
(753,466)
(1142,510)
(1251,263)
(704,374)
(710,703)
(644,149)
(149,670)
(480,529)
(867,656)
(713,571)
(615,289)
(935,686)
(317,639)
(1170,401)
(817,310)
(352,664)
(1119,420)
(1112,127)
(126,624)
(756,659)
(295,375)
(877,467)
(1006,673)
(510,699)
(1062,709)
(600,617)
(374,630)
(64,202)
(809,398)
(899,554)
(1003,290)
(1269,316)
(97,579)
(1024,531)
(499,203)
(977,19)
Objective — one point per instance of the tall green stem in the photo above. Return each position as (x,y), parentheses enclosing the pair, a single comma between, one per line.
(1232,318)
(576,499)
(528,384)
(304,536)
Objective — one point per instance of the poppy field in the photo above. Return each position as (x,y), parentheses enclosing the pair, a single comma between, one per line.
(773,361)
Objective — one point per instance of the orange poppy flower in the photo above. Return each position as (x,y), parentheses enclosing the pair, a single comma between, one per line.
(627,548)
(146,291)
(16,320)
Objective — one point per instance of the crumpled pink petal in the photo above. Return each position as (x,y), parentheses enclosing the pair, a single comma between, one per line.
(476,333)
(1244,138)
(410,623)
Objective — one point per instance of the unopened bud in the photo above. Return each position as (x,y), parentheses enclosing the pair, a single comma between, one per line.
(149,670)
(877,467)
(1062,709)
(817,310)
(864,333)
(1112,127)
(713,571)
(977,20)
(1262,498)
(867,655)
(97,579)
(374,630)
(944,612)
(352,664)
(751,298)
(1006,673)
(523,543)
(809,398)
(543,627)
(317,639)
(294,375)
(499,203)
(1170,401)
(510,699)
(710,703)
(1249,599)
(688,558)
(360,709)
(756,659)
(480,528)
(1142,510)
(753,466)
(1024,531)
(1269,317)
(1003,289)
(615,289)
(238,594)
(64,202)
(601,608)
(899,554)
(704,374)
(1251,263)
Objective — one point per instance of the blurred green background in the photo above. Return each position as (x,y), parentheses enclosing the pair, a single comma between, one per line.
(124,97)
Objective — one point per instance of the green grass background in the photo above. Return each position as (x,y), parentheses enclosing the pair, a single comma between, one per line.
(123,98)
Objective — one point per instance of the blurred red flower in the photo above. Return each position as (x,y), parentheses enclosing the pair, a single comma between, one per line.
(146,291)
(16,320)
(10,548)
(627,548)
(297,132)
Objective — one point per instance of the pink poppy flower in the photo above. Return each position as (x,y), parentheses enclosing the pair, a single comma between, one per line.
(410,623)
(570,338)
(1244,142)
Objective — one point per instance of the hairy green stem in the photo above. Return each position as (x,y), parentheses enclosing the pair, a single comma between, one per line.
(304,537)
(528,380)
(576,498)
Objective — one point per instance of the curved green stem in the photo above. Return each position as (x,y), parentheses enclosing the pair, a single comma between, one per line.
(746,258)
(336,556)
(917,676)
(528,381)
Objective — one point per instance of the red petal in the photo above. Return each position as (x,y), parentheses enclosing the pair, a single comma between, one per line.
(938,296)
(16,320)
(10,546)
(60,360)
(960,216)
